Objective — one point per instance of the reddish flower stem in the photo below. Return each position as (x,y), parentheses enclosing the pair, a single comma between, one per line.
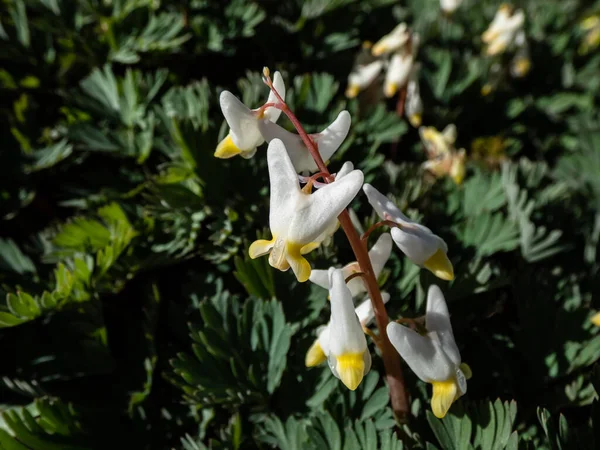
(391,358)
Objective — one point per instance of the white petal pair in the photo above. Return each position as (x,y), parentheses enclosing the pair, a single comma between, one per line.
(343,340)
(414,104)
(433,357)
(379,254)
(416,241)
(362,77)
(393,41)
(503,30)
(244,133)
(327,141)
(296,218)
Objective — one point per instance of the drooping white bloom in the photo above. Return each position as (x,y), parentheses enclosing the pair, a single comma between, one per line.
(449,6)
(414,104)
(433,357)
(392,41)
(349,358)
(319,351)
(327,141)
(397,73)
(244,134)
(297,218)
(416,241)
(379,254)
(362,77)
(503,29)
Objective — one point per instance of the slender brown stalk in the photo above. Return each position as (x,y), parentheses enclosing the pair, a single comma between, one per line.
(391,358)
(389,223)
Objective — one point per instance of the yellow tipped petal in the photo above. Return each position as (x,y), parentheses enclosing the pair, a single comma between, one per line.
(315,355)
(297,262)
(415,120)
(309,247)
(277,257)
(227,149)
(260,247)
(596,319)
(378,49)
(458,169)
(590,22)
(266,72)
(522,66)
(390,89)
(466,370)
(444,393)
(352,91)
(351,368)
(440,265)
(367,45)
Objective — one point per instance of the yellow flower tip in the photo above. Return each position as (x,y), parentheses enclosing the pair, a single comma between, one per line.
(466,370)
(590,22)
(390,89)
(351,368)
(415,120)
(297,262)
(352,91)
(522,66)
(367,45)
(227,149)
(260,247)
(444,393)
(596,319)
(315,355)
(440,265)
(309,247)
(486,89)
(266,72)
(378,50)
(307,189)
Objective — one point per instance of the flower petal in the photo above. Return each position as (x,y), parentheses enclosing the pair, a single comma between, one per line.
(365,311)
(421,353)
(315,355)
(324,206)
(437,322)
(346,335)
(297,151)
(444,393)
(397,73)
(273,113)
(380,252)
(383,206)
(320,278)
(440,265)
(285,190)
(391,41)
(260,248)
(330,139)
(227,149)
(345,170)
(242,122)
(416,244)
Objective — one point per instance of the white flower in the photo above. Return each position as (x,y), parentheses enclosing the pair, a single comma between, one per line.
(397,73)
(327,141)
(297,218)
(379,254)
(449,6)
(433,357)
(414,104)
(416,241)
(361,77)
(244,135)
(319,351)
(503,30)
(392,41)
(349,358)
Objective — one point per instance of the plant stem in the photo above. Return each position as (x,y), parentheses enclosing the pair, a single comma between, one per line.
(391,358)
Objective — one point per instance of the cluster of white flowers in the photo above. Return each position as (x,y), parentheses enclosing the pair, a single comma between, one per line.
(395,53)
(300,220)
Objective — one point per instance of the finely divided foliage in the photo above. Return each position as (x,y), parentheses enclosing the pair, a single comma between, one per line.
(427,170)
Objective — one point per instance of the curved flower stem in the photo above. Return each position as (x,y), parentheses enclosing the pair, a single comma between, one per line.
(354,275)
(389,223)
(391,358)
